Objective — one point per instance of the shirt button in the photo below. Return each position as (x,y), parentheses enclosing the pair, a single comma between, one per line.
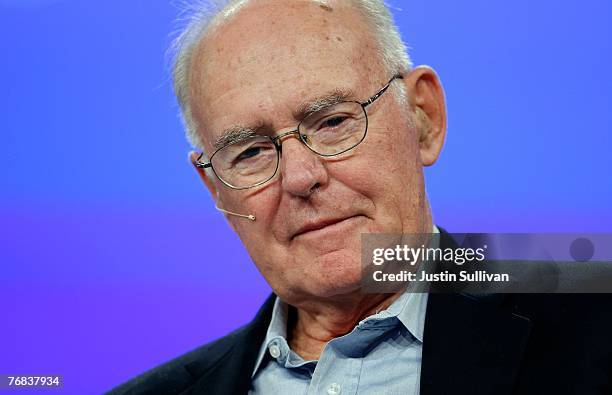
(274,351)
(334,389)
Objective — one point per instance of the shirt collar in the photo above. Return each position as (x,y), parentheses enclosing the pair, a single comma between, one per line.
(276,328)
(409,309)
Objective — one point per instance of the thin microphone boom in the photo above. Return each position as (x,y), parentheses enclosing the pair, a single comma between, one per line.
(251,216)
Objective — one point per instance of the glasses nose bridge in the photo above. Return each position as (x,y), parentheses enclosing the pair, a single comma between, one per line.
(278,140)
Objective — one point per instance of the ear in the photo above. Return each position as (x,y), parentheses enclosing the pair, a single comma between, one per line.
(212,188)
(429,111)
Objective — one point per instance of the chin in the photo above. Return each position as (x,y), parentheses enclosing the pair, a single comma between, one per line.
(335,273)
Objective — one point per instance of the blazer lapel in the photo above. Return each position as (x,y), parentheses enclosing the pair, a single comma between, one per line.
(471,345)
(231,372)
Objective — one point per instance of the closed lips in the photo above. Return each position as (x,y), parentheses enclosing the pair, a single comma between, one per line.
(320,224)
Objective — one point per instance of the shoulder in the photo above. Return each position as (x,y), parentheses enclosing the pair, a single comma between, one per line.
(174,376)
(569,346)
(181,373)
(555,314)
(582,315)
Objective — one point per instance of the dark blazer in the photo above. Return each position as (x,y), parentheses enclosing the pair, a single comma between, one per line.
(496,344)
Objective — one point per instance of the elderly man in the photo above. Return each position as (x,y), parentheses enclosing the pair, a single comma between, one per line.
(313,128)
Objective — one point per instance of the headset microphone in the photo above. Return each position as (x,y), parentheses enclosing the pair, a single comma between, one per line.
(251,216)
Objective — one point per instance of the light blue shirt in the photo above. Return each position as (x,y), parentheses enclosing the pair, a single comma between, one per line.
(381,355)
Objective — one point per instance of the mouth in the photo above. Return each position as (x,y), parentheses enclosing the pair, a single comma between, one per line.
(323,226)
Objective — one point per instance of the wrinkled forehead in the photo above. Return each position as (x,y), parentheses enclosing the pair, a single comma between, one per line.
(271,56)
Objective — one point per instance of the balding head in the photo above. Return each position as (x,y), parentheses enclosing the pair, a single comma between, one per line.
(284,51)
(204,17)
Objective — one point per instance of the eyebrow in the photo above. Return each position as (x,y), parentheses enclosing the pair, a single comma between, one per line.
(322,102)
(234,134)
(238,132)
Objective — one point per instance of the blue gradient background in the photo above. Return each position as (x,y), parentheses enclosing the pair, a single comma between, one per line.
(112,257)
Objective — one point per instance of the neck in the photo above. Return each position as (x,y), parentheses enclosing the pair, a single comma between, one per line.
(314,325)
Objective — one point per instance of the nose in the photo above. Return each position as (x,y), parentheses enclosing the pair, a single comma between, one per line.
(301,169)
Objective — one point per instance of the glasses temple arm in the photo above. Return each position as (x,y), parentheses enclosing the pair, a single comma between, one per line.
(380,92)
(200,165)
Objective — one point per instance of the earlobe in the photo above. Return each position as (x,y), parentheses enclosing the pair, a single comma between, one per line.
(427,99)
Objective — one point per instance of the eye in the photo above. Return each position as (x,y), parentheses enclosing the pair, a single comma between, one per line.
(249,153)
(333,122)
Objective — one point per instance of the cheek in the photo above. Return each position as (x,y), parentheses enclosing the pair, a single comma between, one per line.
(399,148)
(401,156)
(253,234)
(259,202)
(388,171)
(388,163)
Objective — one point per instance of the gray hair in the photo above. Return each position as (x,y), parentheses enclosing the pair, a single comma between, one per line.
(203,15)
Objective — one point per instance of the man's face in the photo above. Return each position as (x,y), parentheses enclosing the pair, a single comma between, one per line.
(257,69)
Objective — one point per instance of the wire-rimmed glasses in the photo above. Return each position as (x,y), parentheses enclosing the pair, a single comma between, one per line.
(331,131)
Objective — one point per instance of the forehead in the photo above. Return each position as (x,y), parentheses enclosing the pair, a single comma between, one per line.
(271,56)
